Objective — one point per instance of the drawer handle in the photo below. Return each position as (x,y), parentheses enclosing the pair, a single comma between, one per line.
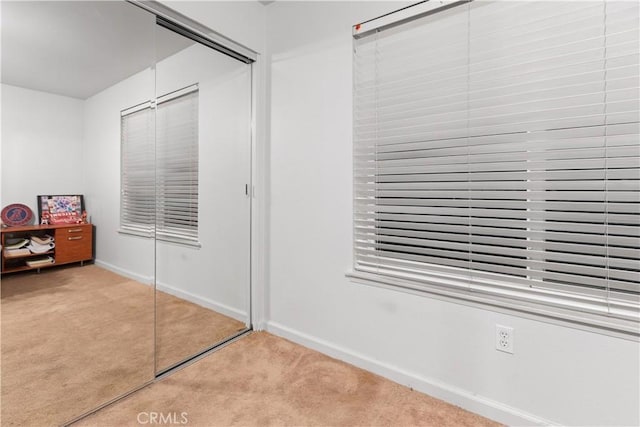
(75,230)
(74,238)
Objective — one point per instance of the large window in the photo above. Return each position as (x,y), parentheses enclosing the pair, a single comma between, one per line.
(497,156)
(159,179)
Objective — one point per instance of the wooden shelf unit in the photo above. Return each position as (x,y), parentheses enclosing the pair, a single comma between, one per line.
(73,243)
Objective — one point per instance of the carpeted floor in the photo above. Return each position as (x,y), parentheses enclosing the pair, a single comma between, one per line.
(263,380)
(74,338)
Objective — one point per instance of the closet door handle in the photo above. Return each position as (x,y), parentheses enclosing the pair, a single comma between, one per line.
(74,238)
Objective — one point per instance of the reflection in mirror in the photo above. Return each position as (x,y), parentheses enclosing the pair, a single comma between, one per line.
(73,337)
(203,154)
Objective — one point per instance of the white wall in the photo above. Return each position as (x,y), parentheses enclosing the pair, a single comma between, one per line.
(41,146)
(557,374)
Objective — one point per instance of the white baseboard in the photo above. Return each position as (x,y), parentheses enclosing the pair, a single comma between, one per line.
(451,394)
(146,280)
(204,302)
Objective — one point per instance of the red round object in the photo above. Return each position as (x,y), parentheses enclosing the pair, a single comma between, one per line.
(16,214)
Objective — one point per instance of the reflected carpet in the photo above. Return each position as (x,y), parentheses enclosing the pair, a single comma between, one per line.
(74,338)
(184,329)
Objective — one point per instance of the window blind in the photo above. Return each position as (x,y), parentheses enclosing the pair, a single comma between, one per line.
(137,168)
(177,166)
(496,151)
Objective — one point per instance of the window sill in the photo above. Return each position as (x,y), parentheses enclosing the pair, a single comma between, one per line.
(619,328)
(179,241)
(138,233)
(194,243)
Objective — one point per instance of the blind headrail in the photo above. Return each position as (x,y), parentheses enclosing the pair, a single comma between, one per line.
(404,15)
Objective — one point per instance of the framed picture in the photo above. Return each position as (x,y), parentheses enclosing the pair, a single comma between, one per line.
(60,209)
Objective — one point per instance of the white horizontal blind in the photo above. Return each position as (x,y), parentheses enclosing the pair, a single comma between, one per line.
(496,147)
(137,181)
(177,166)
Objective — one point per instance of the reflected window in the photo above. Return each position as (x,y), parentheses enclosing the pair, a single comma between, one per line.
(161,187)
(137,175)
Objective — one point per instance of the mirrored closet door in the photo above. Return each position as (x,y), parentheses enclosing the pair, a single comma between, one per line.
(203,152)
(74,336)
(151,126)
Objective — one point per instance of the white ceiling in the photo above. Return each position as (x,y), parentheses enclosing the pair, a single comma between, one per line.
(79,48)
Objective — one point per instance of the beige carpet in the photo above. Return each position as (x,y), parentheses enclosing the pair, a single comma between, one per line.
(263,380)
(76,337)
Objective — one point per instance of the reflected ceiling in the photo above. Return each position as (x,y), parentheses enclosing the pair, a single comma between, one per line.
(78,48)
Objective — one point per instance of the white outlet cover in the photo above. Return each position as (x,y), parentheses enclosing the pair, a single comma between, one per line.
(504,338)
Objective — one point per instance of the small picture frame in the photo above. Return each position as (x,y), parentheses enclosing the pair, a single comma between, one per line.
(60,209)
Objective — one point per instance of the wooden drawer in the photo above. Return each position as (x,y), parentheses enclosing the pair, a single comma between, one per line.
(74,243)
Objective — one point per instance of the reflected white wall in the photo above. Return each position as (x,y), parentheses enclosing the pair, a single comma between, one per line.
(129,255)
(216,275)
(42,146)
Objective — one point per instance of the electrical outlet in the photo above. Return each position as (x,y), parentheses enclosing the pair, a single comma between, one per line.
(504,339)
